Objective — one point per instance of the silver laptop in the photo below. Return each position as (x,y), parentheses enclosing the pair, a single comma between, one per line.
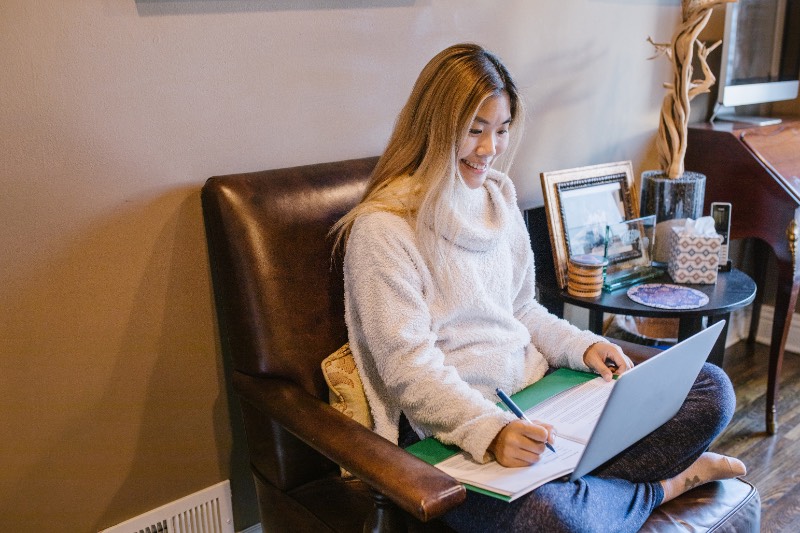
(645,397)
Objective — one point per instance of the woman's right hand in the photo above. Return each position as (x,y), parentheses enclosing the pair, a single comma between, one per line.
(521,443)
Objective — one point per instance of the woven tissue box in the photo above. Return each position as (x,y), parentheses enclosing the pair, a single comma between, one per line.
(693,258)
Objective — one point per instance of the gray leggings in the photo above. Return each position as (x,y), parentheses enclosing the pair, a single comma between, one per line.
(620,495)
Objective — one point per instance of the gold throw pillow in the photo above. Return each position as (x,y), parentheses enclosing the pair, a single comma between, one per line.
(346,392)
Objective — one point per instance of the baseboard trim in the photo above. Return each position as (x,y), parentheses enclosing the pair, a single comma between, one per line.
(764,332)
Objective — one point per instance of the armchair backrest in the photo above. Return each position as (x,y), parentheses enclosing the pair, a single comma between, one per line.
(280,297)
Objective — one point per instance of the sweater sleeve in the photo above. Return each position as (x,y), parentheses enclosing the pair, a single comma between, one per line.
(561,343)
(386,285)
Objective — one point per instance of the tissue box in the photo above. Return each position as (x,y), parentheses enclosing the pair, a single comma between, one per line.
(693,258)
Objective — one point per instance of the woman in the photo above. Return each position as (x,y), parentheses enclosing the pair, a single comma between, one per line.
(440,309)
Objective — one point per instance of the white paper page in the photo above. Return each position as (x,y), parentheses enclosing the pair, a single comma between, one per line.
(574,412)
(510,481)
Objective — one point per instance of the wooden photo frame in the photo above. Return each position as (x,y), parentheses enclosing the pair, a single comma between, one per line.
(579,198)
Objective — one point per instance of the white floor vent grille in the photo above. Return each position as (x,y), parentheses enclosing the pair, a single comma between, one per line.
(207,511)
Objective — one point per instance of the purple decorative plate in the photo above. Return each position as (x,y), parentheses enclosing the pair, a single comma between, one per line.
(666,296)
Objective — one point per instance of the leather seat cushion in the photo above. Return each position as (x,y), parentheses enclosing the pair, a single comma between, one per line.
(731,506)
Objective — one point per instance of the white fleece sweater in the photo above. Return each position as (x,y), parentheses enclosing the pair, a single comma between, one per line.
(439,362)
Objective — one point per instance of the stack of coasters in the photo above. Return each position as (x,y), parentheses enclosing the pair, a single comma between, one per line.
(585,275)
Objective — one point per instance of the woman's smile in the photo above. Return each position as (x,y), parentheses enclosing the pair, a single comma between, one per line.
(486,139)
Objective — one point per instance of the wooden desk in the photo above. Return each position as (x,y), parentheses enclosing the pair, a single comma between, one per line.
(756,169)
(733,290)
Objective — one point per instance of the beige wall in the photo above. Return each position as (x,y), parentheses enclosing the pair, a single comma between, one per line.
(112,115)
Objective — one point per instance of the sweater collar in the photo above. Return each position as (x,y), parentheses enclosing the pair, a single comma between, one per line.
(479,215)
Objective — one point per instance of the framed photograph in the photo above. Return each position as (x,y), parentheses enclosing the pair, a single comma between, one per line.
(630,242)
(580,203)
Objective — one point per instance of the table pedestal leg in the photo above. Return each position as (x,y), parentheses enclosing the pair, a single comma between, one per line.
(596,321)
(688,326)
(717,355)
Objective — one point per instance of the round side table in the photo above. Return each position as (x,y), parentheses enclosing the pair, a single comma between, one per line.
(733,290)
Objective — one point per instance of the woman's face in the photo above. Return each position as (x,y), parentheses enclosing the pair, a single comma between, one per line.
(486,140)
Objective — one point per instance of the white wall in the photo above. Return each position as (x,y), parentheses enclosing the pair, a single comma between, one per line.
(112,115)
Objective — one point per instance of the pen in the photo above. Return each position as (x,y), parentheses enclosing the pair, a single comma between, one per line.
(517,411)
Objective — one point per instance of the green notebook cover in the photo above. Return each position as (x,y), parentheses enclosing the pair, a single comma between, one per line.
(432,451)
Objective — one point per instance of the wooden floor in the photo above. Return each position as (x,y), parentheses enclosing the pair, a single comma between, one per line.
(773,462)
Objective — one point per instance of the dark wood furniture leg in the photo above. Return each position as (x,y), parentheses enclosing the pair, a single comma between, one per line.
(761,251)
(596,321)
(717,355)
(688,326)
(785,302)
(386,517)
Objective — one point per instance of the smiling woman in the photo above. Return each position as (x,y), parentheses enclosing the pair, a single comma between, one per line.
(441,310)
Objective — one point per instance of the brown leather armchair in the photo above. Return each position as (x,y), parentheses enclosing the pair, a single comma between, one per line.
(279,301)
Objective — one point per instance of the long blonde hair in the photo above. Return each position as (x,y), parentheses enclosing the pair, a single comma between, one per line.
(418,170)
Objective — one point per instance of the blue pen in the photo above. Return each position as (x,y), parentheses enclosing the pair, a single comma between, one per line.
(517,411)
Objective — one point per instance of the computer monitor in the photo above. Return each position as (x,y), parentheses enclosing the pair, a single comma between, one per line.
(760,56)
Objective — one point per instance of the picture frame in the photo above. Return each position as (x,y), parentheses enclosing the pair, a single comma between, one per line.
(577,199)
(629,253)
(630,241)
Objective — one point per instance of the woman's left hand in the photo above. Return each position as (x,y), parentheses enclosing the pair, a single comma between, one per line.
(606,359)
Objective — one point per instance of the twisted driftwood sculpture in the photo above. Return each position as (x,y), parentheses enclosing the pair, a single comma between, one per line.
(672,129)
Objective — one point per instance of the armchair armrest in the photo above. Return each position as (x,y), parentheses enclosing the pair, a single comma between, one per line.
(415,486)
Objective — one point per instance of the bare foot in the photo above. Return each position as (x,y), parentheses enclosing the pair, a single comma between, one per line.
(708,467)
